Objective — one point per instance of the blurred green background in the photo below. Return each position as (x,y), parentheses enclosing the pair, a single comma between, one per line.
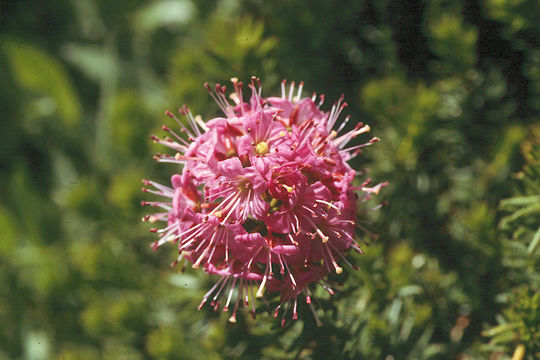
(451,87)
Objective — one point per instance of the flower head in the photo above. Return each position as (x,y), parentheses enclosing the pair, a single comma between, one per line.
(265,199)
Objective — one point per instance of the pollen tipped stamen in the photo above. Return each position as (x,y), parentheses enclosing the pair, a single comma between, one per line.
(276,311)
(329,205)
(232,319)
(226,307)
(268,270)
(340,254)
(341,141)
(191,120)
(158,217)
(219,293)
(211,245)
(291,91)
(183,128)
(324,142)
(300,88)
(239,96)
(321,100)
(313,213)
(293,241)
(328,289)
(318,322)
(210,292)
(224,106)
(352,148)
(293,281)
(343,123)
(155,192)
(166,191)
(259,84)
(335,112)
(178,137)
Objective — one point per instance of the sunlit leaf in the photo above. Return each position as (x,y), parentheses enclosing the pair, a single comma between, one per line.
(38,72)
(164,13)
(93,61)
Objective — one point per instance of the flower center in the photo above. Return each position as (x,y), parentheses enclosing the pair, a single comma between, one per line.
(261,148)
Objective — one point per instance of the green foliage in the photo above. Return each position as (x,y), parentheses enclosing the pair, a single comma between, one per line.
(519,322)
(223,48)
(452,88)
(392,313)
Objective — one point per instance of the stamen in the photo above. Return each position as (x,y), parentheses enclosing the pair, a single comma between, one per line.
(339,270)
(218,294)
(252,299)
(321,100)
(300,87)
(238,298)
(319,323)
(189,116)
(330,205)
(343,123)
(265,277)
(291,90)
(207,295)
(341,141)
(295,313)
(171,115)
(165,128)
(226,307)
(225,107)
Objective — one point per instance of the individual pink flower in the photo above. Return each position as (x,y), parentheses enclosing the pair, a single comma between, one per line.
(265,199)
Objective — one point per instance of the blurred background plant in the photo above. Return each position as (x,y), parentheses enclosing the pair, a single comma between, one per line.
(451,87)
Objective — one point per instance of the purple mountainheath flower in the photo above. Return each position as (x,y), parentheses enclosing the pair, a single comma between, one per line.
(265,199)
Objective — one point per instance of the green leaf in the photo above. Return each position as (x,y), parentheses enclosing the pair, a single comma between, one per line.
(519,201)
(34,70)
(168,13)
(410,290)
(524,211)
(184,281)
(498,330)
(94,62)
(535,241)
(37,345)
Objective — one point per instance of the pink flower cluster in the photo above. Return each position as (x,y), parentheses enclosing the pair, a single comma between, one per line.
(265,198)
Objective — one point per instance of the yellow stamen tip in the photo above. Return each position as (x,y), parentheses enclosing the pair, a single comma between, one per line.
(262,148)
(290,189)
(339,270)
